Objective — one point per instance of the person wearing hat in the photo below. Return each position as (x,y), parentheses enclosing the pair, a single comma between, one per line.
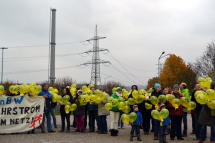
(176,115)
(136,124)
(114,113)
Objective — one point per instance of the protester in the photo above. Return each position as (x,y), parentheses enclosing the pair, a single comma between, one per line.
(47,109)
(63,113)
(133,87)
(114,113)
(185,92)
(120,123)
(53,105)
(102,112)
(93,114)
(206,119)
(86,113)
(136,124)
(155,125)
(163,126)
(176,115)
(79,113)
(167,91)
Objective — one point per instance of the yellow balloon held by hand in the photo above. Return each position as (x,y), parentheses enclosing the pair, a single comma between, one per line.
(176,103)
(73,107)
(148,106)
(131,101)
(110,99)
(114,102)
(67,109)
(114,90)
(108,106)
(103,95)
(126,109)
(135,94)
(139,99)
(200,98)
(191,105)
(121,105)
(155,114)
(163,114)
(210,94)
(154,100)
(162,98)
(132,117)
(211,104)
(60,99)
(125,118)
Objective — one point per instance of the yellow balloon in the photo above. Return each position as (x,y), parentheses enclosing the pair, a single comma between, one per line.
(90,86)
(167,97)
(60,99)
(126,109)
(83,99)
(98,100)
(150,90)
(67,109)
(198,92)
(210,94)
(110,99)
(125,118)
(97,93)
(66,99)
(184,101)
(54,90)
(131,101)
(155,114)
(135,94)
(89,92)
(211,104)
(200,98)
(88,98)
(171,97)
(103,95)
(114,102)
(92,98)
(163,114)
(120,99)
(191,105)
(33,84)
(68,103)
(114,90)
(213,112)
(108,106)
(50,89)
(148,106)
(176,103)
(162,98)
(208,81)
(126,103)
(154,100)
(142,92)
(121,105)
(73,107)
(73,85)
(132,117)
(139,99)
(54,98)
(125,94)
(84,88)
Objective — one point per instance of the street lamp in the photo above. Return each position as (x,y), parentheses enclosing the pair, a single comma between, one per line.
(159,65)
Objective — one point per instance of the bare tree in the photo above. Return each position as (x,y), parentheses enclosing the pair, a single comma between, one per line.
(110,85)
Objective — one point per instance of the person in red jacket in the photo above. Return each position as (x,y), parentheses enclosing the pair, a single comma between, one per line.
(176,115)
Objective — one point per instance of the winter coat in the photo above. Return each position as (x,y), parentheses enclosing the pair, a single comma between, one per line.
(101,107)
(116,96)
(205,117)
(47,107)
(185,93)
(139,120)
(80,109)
(53,105)
(198,106)
(62,110)
(142,109)
(179,111)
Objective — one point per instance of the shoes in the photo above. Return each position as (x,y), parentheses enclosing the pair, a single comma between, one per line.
(138,137)
(100,132)
(192,133)
(183,135)
(43,131)
(91,130)
(33,132)
(172,139)
(119,128)
(180,139)
(51,131)
(82,131)
(67,131)
(131,137)
(155,138)
(134,135)
(29,132)
(196,139)
(122,128)
(104,133)
(77,130)
(200,141)
(152,131)
(55,126)
(61,131)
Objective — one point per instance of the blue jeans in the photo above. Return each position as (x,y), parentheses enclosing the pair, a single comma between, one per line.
(156,127)
(136,129)
(120,121)
(53,116)
(203,135)
(49,126)
(93,115)
(102,123)
(185,123)
(162,132)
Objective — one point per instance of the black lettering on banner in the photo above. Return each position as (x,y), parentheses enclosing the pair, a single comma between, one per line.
(8,110)
(22,120)
(32,109)
(32,119)
(26,110)
(3,112)
(21,108)
(14,111)
(27,120)
(38,108)
(3,121)
(11,121)
(17,121)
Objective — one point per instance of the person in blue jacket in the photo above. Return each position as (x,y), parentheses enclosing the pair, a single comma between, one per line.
(136,124)
(47,108)
(163,126)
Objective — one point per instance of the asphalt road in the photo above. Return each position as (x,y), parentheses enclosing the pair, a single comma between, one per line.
(123,136)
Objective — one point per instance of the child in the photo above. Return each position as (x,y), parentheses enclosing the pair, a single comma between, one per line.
(136,124)
(163,126)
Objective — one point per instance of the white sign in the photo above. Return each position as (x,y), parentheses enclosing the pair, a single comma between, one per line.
(20,113)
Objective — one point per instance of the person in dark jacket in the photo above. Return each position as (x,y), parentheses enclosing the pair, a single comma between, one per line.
(176,115)
(47,109)
(206,119)
(136,124)
(167,91)
(133,87)
(63,113)
(197,111)
(53,105)
(79,113)
(155,125)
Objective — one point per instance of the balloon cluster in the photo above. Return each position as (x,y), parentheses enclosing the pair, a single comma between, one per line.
(127,119)
(160,116)
(32,89)
(205,83)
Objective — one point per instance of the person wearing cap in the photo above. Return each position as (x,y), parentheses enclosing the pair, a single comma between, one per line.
(155,126)
(136,124)
(176,115)
(163,126)
(114,113)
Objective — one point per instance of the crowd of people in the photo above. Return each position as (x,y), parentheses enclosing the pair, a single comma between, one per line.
(201,115)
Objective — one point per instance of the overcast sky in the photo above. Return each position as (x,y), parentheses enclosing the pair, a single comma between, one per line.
(137,32)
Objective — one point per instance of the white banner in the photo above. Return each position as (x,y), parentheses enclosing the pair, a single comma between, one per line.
(20,113)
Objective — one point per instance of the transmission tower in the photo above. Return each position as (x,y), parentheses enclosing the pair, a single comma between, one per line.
(95,73)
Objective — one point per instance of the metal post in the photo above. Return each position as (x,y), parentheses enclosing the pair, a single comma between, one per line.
(52,65)
(2,64)
(158,69)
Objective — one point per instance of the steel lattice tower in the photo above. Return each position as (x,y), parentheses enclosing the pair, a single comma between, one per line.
(95,73)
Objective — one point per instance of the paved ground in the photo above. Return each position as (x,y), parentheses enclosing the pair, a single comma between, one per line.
(88,137)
